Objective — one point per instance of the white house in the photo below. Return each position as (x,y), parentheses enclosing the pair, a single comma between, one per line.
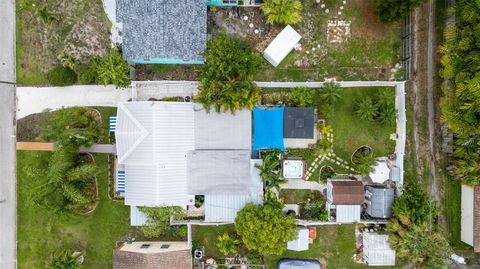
(281,45)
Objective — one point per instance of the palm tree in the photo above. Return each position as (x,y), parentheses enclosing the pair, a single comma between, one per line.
(282,11)
(367,109)
(330,92)
(270,169)
(364,163)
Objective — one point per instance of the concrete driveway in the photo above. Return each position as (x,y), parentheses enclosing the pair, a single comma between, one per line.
(31,100)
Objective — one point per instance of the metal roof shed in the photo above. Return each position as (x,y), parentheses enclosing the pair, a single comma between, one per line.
(281,46)
(470,229)
(377,250)
(379,200)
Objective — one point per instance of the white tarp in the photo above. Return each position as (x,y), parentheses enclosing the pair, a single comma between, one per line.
(302,241)
(466,229)
(377,250)
(281,46)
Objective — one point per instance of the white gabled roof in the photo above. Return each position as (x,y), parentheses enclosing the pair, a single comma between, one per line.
(348,213)
(377,250)
(281,46)
(153,139)
(302,241)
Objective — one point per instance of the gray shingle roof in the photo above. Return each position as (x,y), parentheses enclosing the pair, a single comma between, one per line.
(172,29)
(299,122)
(180,259)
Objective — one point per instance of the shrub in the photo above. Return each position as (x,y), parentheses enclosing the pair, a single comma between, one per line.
(227,244)
(113,69)
(87,74)
(282,11)
(301,97)
(61,76)
(395,10)
(158,220)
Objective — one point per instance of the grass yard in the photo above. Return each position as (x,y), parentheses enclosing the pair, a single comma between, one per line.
(291,196)
(42,232)
(48,29)
(452,207)
(349,130)
(334,246)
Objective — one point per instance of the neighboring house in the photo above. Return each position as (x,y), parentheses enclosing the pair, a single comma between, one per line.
(379,200)
(377,250)
(344,200)
(172,151)
(281,45)
(470,228)
(163,31)
(153,255)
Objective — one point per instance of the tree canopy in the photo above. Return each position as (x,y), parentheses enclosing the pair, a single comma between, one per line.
(158,220)
(413,232)
(73,127)
(282,11)
(395,10)
(265,229)
(226,78)
(112,69)
(461,102)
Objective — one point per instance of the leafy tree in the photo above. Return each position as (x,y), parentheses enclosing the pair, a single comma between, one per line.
(412,230)
(282,11)
(461,102)
(61,76)
(64,260)
(158,220)
(227,244)
(395,10)
(331,93)
(265,229)
(367,109)
(226,78)
(78,126)
(301,97)
(112,69)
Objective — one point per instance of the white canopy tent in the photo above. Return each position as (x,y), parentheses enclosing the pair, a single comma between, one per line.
(381,172)
(281,46)
(377,250)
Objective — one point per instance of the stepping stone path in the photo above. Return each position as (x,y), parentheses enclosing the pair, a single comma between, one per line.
(328,155)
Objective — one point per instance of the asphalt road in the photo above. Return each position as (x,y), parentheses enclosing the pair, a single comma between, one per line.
(8,202)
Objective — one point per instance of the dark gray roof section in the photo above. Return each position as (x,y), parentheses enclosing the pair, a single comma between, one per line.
(167,29)
(298,264)
(299,122)
(379,201)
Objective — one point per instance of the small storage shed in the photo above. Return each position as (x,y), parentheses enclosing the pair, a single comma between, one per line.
(302,241)
(379,200)
(344,199)
(281,46)
(377,250)
(268,128)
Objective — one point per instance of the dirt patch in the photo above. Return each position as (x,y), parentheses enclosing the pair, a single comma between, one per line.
(52,27)
(28,128)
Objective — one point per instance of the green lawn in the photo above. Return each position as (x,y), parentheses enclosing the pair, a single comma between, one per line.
(41,231)
(291,196)
(335,246)
(349,130)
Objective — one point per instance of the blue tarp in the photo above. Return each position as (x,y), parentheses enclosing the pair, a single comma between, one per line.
(268,128)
